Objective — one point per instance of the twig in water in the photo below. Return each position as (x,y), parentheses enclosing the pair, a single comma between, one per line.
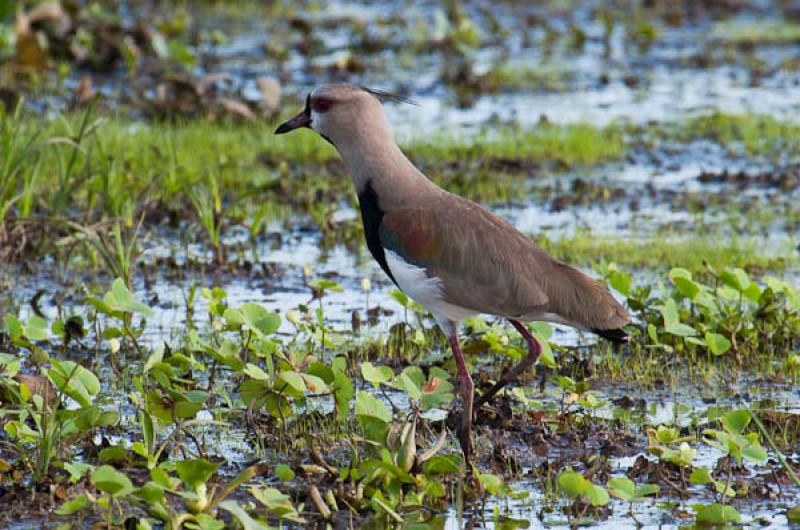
(774,447)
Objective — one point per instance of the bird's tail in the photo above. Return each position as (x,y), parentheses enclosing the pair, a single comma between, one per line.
(618,335)
(588,304)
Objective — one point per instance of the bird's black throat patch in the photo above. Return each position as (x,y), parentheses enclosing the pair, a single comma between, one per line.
(372,216)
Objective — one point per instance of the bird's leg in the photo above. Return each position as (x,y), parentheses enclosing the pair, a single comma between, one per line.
(534,350)
(467,394)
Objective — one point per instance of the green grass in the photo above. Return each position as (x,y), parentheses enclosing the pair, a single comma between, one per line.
(665,253)
(120,162)
(200,144)
(167,159)
(117,169)
(755,133)
(568,145)
(750,33)
(505,76)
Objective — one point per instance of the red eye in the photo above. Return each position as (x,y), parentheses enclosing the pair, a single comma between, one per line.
(321,105)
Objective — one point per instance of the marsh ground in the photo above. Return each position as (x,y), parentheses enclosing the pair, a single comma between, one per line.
(193,334)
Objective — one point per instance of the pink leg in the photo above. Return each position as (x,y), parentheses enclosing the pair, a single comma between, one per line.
(534,350)
(467,394)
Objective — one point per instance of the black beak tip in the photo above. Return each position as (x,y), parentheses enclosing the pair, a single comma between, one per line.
(301,120)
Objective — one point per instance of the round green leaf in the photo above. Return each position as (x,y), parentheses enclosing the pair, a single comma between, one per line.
(284,472)
(195,472)
(736,421)
(259,320)
(596,495)
(572,484)
(109,480)
(717,344)
(622,488)
(119,298)
(71,506)
(716,514)
(369,405)
(376,374)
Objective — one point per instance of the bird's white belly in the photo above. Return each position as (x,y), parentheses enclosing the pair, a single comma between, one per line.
(427,291)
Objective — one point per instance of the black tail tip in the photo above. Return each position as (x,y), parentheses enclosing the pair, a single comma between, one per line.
(619,335)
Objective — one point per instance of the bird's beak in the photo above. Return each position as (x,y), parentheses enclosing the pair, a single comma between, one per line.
(303,119)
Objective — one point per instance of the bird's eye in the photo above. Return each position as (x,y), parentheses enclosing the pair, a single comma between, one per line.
(321,105)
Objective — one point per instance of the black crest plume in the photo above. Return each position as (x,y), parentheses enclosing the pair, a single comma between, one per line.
(387,96)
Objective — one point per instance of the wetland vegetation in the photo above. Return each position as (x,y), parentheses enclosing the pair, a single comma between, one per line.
(192,336)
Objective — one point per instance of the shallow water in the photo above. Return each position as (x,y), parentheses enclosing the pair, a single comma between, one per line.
(659,84)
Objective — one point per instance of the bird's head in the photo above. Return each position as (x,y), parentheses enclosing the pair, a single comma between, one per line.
(341,111)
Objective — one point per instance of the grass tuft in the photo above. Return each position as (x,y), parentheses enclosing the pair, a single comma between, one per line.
(664,253)
(756,133)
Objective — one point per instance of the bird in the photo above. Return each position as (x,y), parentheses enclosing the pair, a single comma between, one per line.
(451,255)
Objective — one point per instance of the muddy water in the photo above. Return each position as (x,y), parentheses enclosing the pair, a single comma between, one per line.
(650,515)
(682,406)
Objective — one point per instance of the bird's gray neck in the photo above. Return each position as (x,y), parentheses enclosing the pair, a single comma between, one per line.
(375,159)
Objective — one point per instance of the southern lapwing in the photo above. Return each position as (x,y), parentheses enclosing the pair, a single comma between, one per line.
(450,254)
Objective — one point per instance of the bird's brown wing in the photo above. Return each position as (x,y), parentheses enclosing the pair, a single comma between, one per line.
(488,266)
